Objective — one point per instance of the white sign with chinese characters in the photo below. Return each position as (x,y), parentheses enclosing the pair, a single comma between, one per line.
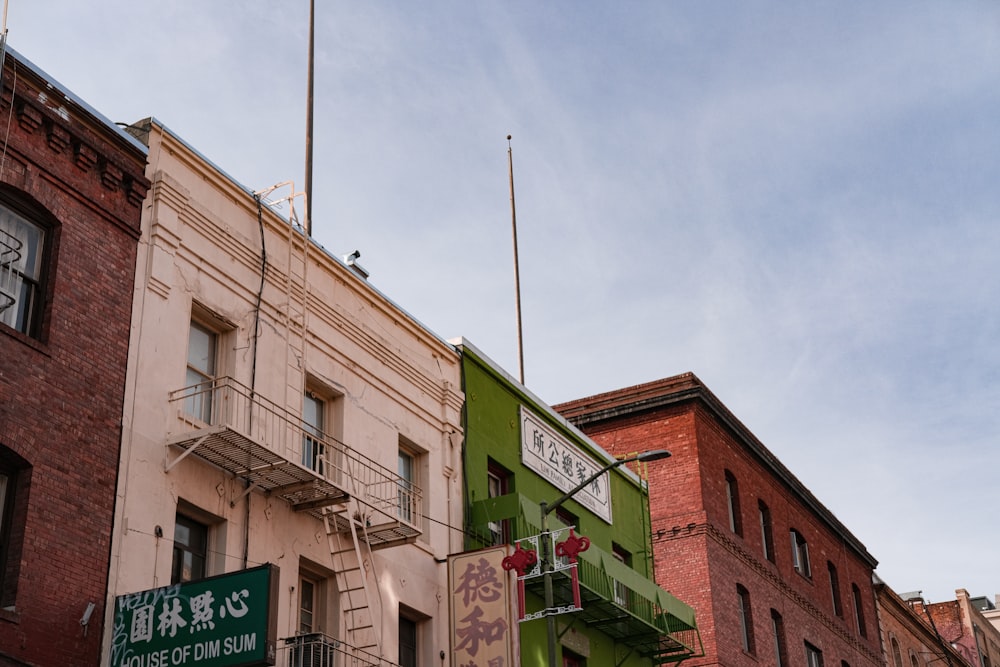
(564,464)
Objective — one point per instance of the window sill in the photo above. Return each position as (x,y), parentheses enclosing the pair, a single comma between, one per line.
(10,614)
(33,343)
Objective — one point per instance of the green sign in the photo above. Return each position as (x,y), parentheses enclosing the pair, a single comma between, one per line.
(224,621)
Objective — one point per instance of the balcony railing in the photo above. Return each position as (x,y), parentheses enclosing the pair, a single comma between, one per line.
(236,429)
(615,599)
(318,650)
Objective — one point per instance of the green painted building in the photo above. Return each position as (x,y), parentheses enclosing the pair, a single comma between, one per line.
(519,453)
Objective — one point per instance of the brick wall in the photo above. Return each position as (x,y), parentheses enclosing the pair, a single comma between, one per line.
(701,560)
(61,391)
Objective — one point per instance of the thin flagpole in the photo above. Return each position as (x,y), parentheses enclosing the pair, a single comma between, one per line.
(309,119)
(517,272)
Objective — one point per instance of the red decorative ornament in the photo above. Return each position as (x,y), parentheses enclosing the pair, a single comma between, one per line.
(520,561)
(572,546)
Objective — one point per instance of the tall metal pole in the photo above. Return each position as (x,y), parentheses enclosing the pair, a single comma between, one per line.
(309,120)
(517,272)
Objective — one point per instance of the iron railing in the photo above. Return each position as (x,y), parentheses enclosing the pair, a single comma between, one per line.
(228,404)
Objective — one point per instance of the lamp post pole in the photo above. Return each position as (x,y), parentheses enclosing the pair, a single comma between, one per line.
(547,546)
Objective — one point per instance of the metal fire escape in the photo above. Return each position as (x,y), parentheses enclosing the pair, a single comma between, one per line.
(10,255)
(363,505)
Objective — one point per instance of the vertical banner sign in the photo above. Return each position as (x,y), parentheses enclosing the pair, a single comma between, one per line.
(480,609)
(224,621)
(564,464)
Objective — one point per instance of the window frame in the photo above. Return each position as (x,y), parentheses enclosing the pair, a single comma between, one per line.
(778,636)
(42,230)
(838,608)
(193,525)
(13,516)
(732,489)
(619,590)
(199,381)
(814,655)
(800,553)
(745,612)
(313,432)
(766,530)
(412,627)
(498,483)
(859,610)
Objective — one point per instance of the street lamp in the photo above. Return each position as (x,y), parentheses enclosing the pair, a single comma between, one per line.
(547,508)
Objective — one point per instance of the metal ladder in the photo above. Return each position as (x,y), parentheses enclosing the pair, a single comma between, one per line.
(360,622)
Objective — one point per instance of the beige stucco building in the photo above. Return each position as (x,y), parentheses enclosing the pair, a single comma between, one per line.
(279,409)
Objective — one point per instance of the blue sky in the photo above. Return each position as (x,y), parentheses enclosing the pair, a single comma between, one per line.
(796,201)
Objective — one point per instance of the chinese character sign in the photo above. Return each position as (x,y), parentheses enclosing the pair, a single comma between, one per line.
(564,464)
(222,621)
(480,609)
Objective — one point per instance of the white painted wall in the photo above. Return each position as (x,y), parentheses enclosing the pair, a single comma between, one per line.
(201,244)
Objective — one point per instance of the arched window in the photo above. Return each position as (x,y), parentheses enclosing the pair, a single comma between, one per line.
(733,504)
(14,483)
(897,658)
(746,618)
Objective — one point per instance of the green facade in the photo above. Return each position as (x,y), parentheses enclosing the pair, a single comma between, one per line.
(626,619)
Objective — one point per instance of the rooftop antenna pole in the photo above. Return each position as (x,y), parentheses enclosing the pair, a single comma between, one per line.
(517,272)
(309,120)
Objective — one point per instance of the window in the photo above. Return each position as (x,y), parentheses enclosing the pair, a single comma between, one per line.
(766,537)
(407,484)
(22,245)
(859,610)
(190,550)
(201,369)
(733,504)
(778,632)
(407,642)
(914,663)
(498,484)
(571,659)
(313,423)
(835,589)
(307,605)
(897,657)
(746,618)
(814,657)
(625,558)
(800,554)
(14,484)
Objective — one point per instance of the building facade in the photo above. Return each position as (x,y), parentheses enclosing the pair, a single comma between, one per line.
(909,638)
(773,576)
(519,453)
(71,186)
(962,624)
(280,410)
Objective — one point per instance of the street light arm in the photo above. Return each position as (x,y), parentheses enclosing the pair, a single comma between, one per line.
(653,455)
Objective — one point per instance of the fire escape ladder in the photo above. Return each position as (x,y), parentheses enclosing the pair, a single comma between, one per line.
(355,584)
(10,255)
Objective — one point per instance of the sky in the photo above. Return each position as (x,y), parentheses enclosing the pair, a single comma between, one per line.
(797,202)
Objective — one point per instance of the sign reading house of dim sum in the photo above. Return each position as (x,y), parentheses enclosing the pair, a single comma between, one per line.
(564,464)
(224,621)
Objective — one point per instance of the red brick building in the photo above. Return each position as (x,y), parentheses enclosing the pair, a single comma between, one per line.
(909,637)
(774,577)
(71,189)
(962,624)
